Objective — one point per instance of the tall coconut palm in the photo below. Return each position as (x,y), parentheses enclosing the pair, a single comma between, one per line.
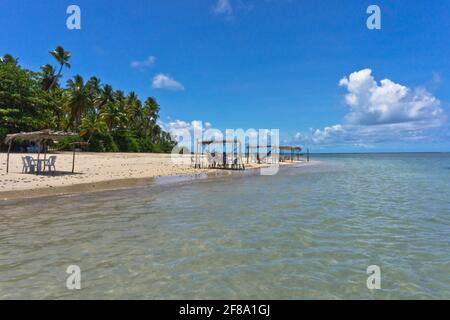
(78,99)
(94,86)
(120,102)
(62,57)
(106,95)
(119,95)
(151,109)
(48,76)
(90,124)
(133,110)
(7,58)
(59,97)
(149,115)
(112,115)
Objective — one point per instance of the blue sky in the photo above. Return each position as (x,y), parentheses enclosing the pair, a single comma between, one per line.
(310,68)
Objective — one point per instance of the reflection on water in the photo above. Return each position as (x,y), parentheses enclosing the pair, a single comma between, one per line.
(305,233)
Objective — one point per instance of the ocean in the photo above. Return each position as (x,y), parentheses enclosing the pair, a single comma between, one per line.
(310,232)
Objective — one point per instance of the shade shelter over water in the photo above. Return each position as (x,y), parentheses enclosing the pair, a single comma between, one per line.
(272,153)
(290,152)
(222,157)
(40,138)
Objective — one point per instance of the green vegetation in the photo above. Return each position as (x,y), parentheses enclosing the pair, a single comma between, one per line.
(108,119)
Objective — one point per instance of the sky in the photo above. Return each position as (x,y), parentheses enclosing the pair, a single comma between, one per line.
(312,69)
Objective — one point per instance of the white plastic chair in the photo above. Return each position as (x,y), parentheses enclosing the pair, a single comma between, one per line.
(25,167)
(50,163)
(29,165)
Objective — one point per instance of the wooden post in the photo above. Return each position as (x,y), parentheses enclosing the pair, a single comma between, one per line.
(200,159)
(45,153)
(224,154)
(199,155)
(196,154)
(39,155)
(258,159)
(7,157)
(241,163)
(73,159)
(248,152)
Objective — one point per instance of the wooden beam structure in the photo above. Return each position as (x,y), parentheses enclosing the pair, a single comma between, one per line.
(293,151)
(7,157)
(74,144)
(236,163)
(38,137)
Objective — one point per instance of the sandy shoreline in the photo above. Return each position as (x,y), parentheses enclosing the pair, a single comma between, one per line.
(93,172)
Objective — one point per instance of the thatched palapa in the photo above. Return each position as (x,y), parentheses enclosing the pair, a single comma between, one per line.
(40,137)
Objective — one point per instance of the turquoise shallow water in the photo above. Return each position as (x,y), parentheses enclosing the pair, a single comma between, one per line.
(307,233)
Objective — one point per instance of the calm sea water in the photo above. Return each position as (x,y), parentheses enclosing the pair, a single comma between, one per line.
(309,232)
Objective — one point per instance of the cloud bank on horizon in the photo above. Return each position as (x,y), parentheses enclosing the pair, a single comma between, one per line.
(380,112)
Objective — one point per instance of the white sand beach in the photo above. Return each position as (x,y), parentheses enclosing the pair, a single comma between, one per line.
(93,171)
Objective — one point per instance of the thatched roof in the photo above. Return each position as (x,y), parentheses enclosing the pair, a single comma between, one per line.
(39,136)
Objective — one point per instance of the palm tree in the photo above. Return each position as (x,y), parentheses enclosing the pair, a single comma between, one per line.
(94,86)
(48,76)
(59,96)
(90,124)
(78,100)
(120,101)
(7,58)
(63,57)
(119,95)
(151,109)
(106,95)
(133,109)
(112,115)
(149,115)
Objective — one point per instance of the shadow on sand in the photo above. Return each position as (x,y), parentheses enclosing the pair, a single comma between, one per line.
(55,174)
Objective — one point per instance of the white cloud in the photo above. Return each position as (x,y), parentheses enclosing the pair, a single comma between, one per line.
(381,112)
(387,102)
(184,132)
(359,134)
(163,81)
(327,133)
(223,7)
(173,125)
(142,65)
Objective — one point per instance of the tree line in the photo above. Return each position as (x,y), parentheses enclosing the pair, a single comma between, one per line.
(110,120)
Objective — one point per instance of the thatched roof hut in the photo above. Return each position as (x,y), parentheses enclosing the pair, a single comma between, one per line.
(40,137)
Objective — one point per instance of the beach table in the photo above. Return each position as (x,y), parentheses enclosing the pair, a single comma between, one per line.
(40,164)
